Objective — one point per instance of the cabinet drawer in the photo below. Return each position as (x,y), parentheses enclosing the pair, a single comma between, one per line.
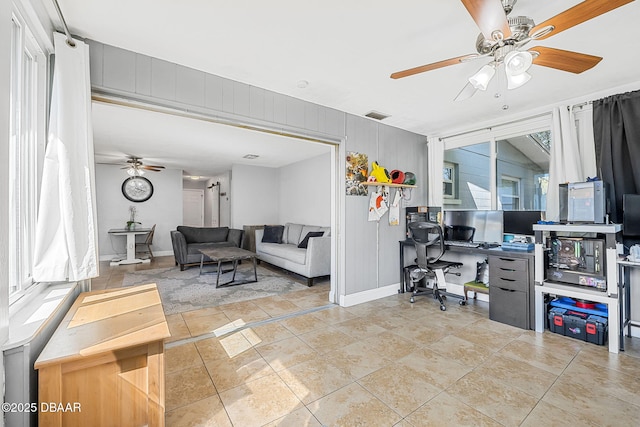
(517,283)
(507,306)
(505,263)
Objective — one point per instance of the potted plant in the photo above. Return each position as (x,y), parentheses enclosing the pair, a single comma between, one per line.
(131,224)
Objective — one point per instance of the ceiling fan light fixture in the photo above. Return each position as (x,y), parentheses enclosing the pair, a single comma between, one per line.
(481,79)
(134,171)
(518,62)
(514,81)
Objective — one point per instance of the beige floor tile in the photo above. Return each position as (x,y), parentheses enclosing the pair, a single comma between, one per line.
(230,373)
(266,334)
(566,346)
(352,406)
(549,359)
(359,328)
(208,412)
(314,379)
(387,319)
(187,386)
(502,328)
(505,404)
(446,411)
(302,324)
(390,345)
(181,357)
(622,362)
(259,402)
(276,305)
(245,311)
(434,369)
(286,353)
(525,377)
(334,315)
(483,336)
(298,418)
(177,327)
(326,339)
(402,389)
(207,324)
(357,359)
(189,315)
(223,348)
(545,414)
(462,351)
(421,333)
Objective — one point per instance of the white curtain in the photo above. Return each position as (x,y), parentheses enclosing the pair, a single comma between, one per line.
(66,232)
(566,163)
(435,153)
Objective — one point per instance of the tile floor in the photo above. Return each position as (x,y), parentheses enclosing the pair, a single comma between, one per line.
(293,362)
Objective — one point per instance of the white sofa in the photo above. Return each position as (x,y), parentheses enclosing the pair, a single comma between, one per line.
(312,262)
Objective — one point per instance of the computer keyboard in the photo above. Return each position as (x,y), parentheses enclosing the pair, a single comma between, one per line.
(462,244)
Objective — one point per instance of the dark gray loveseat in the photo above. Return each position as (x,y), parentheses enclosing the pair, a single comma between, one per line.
(187,242)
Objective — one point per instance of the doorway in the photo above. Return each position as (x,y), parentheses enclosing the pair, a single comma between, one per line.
(193,207)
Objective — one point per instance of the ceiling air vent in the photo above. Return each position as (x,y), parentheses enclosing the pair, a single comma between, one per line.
(376,115)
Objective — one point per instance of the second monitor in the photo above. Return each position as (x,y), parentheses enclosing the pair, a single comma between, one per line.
(487,225)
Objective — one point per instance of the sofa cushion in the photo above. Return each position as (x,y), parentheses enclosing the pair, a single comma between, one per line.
(289,252)
(204,234)
(194,248)
(273,234)
(305,242)
(293,232)
(326,230)
(306,229)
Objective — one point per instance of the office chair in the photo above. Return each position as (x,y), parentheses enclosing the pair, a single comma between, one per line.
(429,242)
(148,241)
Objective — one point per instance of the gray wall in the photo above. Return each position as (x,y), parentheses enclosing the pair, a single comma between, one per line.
(164,209)
(371,251)
(255,192)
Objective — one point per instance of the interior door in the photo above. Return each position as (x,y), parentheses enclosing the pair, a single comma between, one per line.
(193,207)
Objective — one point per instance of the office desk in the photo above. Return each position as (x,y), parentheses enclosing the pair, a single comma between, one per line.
(625,311)
(131,245)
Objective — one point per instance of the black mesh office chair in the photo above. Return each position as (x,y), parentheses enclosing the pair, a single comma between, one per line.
(460,233)
(429,242)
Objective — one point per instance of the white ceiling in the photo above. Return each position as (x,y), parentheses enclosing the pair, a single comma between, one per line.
(199,147)
(347,50)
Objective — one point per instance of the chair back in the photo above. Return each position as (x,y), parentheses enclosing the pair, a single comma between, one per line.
(149,239)
(427,235)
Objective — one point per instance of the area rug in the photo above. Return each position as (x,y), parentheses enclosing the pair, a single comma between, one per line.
(182,291)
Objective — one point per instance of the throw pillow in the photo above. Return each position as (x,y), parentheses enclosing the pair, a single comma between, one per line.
(272,234)
(305,241)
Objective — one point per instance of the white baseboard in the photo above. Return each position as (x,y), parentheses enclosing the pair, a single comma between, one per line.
(368,295)
(112,256)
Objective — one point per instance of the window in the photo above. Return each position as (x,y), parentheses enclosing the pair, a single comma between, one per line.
(449,171)
(471,177)
(510,193)
(27,135)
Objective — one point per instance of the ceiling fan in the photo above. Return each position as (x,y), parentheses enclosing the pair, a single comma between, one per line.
(502,38)
(135,167)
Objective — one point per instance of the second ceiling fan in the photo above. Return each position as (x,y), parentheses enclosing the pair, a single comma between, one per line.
(502,38)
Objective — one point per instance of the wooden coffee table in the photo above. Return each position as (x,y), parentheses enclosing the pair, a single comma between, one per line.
(229,254)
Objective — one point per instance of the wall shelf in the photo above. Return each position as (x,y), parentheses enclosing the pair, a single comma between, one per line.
(388,184)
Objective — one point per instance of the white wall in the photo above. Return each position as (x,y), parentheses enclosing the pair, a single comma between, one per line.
(305,191)
(164,209)
(225,200)
(255,192)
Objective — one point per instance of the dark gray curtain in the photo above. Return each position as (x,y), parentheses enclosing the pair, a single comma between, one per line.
(616,128)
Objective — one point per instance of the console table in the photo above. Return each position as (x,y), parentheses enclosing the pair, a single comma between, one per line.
(104,363)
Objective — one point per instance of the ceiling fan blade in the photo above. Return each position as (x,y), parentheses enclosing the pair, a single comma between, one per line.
(489,16)
(432,66)
(151,168)
(154,166)
(564,60)
(467,92)
(578,14)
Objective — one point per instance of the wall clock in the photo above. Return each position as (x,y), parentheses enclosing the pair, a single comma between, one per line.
(137,189)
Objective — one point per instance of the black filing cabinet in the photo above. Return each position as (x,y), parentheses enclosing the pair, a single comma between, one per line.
(510,290)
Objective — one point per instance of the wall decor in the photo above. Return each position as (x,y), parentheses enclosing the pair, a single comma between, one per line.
(357,171)
(137,189)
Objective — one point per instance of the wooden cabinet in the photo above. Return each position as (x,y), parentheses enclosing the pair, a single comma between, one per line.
(510,290)
(104,364)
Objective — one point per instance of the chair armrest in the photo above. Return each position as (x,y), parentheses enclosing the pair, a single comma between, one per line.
(235,237)
(179,246)
(319,256)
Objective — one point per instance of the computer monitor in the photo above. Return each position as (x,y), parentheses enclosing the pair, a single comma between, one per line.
(520,222)
(631,215)
(487,224)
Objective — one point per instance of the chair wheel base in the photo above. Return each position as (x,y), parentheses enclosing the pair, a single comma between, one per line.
(412,300)
(443,308)
(462,302)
